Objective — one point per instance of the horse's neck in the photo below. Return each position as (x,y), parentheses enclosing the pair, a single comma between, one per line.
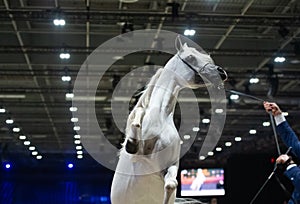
(165,92)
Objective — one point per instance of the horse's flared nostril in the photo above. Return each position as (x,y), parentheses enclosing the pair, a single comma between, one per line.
(222,73)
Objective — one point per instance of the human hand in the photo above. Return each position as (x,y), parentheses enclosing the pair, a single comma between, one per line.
(273,107)
(282,159)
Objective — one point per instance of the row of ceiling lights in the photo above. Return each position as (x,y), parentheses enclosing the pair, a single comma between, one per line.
(228,143)
(22,138)
(67,78)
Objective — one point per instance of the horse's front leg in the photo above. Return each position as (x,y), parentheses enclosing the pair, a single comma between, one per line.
(134,131)
(170,183)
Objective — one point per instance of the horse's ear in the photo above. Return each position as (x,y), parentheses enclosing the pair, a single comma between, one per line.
(178,43)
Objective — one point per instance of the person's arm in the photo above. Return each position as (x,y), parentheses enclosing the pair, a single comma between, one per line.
(285,132)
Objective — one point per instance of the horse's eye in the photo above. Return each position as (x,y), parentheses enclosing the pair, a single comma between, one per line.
(191,59)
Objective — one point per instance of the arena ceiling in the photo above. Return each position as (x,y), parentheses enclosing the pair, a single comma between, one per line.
(242,36)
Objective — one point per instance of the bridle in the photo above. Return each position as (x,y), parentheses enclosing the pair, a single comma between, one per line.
(202,69)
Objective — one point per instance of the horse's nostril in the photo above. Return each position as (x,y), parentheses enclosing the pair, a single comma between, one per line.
(222,73)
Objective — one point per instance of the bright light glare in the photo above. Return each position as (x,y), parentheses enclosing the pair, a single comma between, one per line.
(228,144)
(76,128)
(66,78)
(77,141)
(78,147)
(39,157)
(34,153)
(196,129)
(9,121)
(69,95)
(16,129)
(59,22)
(234,97)
(266,124)
(202,157)
(238,139)
(285,113)
(186,137)
(254,80)
(2,110)
(210,153)
(74,120)
(64,56)
(252,132)
(279,59)
(31,148)
(26,143)
(22,137)
(73,109)
(189,32)
(218,149)
(205,120)
(219,110)
(79,156)
(76,136)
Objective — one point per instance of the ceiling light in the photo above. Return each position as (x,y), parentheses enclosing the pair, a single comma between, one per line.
(210,153)
(59,22)
(186,137)
(9,121)
(74,120)
(181,142)
(76,128)
(39,157)
(31,148)
(254,80)
(22,137)
(79,156)
(252,132)
(78,147)
(234,97)
(237,139)
(2,110)
(228,144)
(219,110)
(266,124)
(70,165)
(34,153)
(69,95)
(279,59)
(285,113)
(205,120)
(76,136)
(7,166)
(202,157)
(189,32)
(196,129)
(16,129)
(218,149)
(79,152)
(26,143)
(64,55)
(66,78)
(73,109)
(77,141)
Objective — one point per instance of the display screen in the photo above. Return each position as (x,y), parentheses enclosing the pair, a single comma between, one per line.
(202,182)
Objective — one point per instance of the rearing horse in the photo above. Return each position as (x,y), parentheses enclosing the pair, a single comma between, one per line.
(148,164)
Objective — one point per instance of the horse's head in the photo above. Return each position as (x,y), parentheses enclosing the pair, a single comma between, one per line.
(196,66)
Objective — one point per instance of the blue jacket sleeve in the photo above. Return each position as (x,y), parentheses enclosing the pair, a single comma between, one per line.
(289,137)
(294,175)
